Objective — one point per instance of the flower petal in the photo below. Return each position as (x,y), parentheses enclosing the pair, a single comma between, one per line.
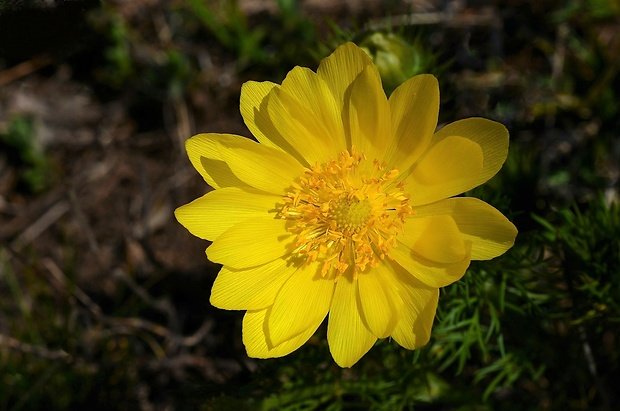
(341,68)
(414,107)
(491,136)
(490,233)
(301,303)
(251,243)
(413,329)
(436,238)
(250,289)
(210,215)
(262,167)
(254,111)
(379,300)
(202,150)
(348,337)
(256,341)
(369,115)
(450,167)
(429,272)
(312,92)
(305,114)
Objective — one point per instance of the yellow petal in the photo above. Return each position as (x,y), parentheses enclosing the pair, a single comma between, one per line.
(348,337)
(379,300)
(306,116)
(436,238)
(256,341)
(251,243)
(340,69)
(491,136)
(417,314)
(253,107)
(312,92)
(414,107)
(254,102)
(210,215)
(250,289)
(448,168)
(490,233)
(369,115)
(262,167)
(301,303)
(202,150)
(429,272)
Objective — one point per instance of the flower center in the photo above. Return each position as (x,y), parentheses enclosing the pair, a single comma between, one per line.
(350,215)
(346,217)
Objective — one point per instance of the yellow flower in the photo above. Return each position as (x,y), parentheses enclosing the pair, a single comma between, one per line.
(343,208)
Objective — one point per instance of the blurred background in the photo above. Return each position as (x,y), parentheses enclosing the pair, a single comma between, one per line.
(104,297)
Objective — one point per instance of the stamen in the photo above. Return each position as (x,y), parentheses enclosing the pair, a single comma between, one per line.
(343,218)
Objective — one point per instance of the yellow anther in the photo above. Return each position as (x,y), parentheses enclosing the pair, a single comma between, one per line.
(343,218)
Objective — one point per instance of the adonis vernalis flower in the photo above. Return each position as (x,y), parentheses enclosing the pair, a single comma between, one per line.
(343,209)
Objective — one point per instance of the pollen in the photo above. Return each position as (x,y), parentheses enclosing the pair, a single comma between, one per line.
(346,213)
(350,215)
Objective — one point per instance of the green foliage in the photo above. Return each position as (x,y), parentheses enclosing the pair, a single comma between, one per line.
(135,63)
(159,63)
(231,28)
(258,44)
(591,10)
(119,53)
(586,248)
(586,85)
(35,171)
